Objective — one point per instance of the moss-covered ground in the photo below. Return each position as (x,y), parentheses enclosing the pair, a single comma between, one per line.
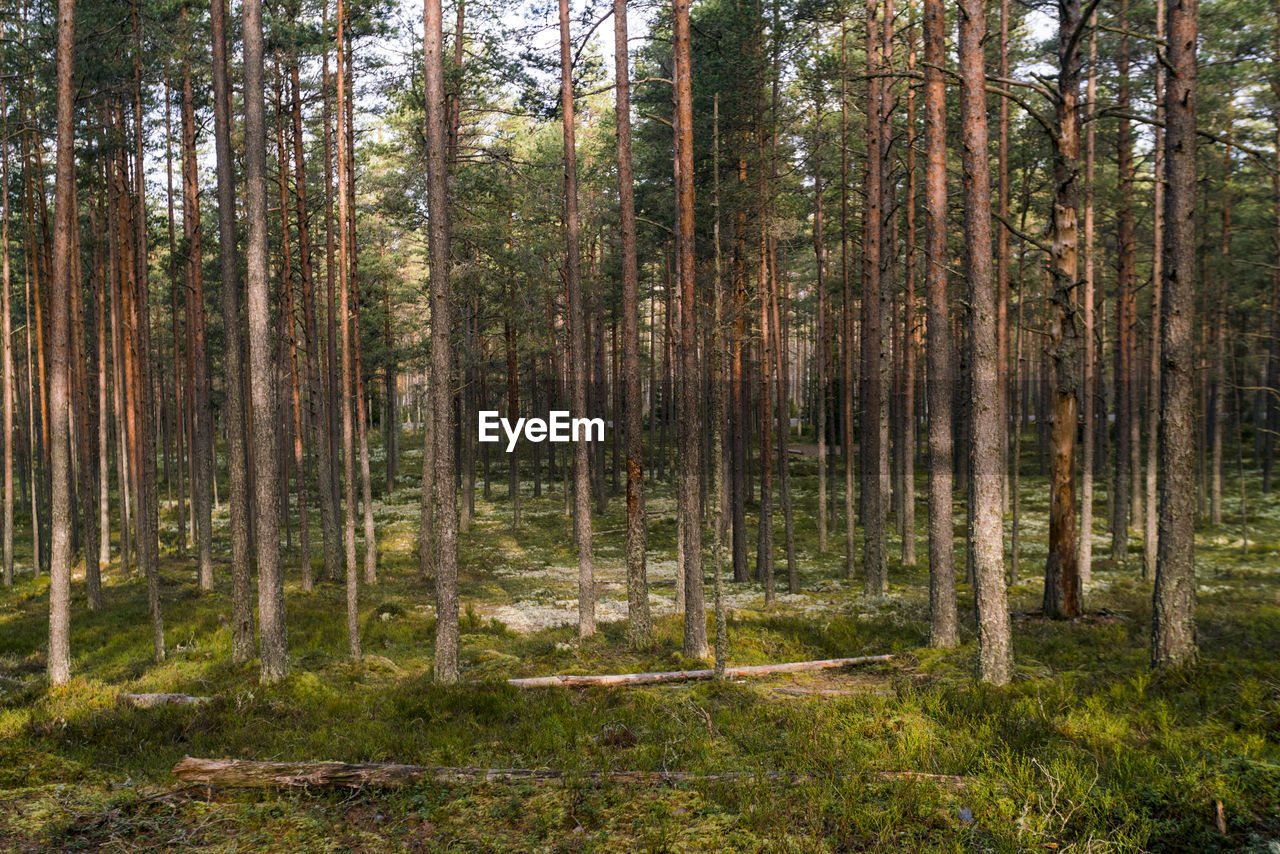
(1086,750)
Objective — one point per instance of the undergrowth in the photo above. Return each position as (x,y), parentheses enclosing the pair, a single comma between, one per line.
(1087,749)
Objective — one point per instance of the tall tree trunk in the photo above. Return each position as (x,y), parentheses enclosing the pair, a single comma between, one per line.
(202,438)
(289,343)
(146,523)
(738,392)
(242,640)
(123,478)
(391,406)
(1151,534)
(695,621)
(346,388)
(943,630)
(59,659)
(907,408)
(101,285)
(333,379)
(846,293)
(180,403)
(578,341)
(1062,590)
(1126,306)
(358,375)
(719,371)
(85,437)
(995,652)
(1002,248)
(639,622)
(1090,364)
(442,362)
(1217,413)
(262,380)
(784,427)
(317,399)
(875,567)
(6,333)
(1173,640)
(766,364)
(820,345)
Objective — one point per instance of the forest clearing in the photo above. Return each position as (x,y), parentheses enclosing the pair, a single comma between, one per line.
(803,425)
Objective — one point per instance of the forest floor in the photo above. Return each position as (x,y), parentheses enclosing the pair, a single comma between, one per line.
(1086,750)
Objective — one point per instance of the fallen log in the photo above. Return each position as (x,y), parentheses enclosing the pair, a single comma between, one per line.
(247,774)
(692,675)
(829,692)
(151,701)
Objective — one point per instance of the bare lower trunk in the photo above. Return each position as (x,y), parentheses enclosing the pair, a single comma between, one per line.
(875,567)
(639,623)
(1151,534)
(1062,591)
(346,388)
(1126,368)
(59,657)
(1087,387)
(6,337)
(578,342)
(820,345)
(907,408)
(943,630)
(847,347)
(1173,636)
(695,621)
(262,380)
(317,399)
(242,640)
(445,521)
(202,415)
(995,652)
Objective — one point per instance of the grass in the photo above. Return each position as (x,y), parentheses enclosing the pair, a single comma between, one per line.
(1086,750)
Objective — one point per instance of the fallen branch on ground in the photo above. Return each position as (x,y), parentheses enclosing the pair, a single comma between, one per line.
(151,701)
(692,675)
(243,773)
(828,692)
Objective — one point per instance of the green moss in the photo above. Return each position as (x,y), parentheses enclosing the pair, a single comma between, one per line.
(1087,748)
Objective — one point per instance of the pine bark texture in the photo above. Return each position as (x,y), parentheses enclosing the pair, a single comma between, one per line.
(695,621)
(1173,635)
(943,631)
(273,655)
(995,651)
(59,657)
(445,517)
(242,640)
(1062,588)
(639,622)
